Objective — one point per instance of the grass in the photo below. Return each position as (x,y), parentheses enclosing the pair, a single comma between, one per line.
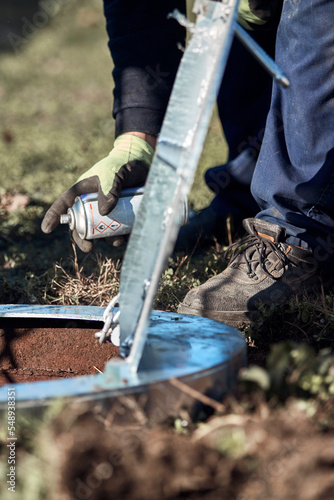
(55,107)
(55,103)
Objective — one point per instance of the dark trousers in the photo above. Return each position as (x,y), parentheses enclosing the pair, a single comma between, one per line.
(243,104)
(293,182)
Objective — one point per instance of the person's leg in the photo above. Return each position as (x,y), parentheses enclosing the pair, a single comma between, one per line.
(231,184)
(244,97)
(294,177)
(293,183)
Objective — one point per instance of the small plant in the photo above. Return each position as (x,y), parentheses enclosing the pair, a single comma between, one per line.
(293,370)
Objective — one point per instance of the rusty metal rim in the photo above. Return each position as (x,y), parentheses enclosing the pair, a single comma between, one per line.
(180,346)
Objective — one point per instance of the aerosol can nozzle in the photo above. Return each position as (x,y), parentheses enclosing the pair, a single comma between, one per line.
(68,218)
(65,219)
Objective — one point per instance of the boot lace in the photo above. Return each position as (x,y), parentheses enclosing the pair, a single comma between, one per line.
(254,250)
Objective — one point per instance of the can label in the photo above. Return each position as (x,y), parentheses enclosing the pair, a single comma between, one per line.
(118,222)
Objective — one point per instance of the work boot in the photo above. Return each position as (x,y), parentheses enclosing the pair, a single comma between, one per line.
(262,268)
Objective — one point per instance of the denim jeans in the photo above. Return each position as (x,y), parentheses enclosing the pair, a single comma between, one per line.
(293,182)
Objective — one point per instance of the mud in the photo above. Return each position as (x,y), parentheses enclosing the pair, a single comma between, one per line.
(32,350)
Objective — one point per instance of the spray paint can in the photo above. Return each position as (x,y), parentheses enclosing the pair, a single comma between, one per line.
(85,217)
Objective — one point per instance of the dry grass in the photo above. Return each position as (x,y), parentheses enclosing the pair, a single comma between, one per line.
(95,290)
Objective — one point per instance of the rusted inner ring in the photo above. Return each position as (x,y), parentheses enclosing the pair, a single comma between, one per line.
(33,349)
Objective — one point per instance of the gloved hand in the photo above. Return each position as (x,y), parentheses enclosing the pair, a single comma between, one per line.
(259,14)
(126,166)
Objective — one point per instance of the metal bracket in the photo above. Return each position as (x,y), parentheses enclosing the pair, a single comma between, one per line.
(178,151)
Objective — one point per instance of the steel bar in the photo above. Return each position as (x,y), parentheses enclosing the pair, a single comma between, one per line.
(178,151)
(264,59)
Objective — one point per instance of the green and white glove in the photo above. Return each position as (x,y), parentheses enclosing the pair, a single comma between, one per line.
(126,166)
(259,14)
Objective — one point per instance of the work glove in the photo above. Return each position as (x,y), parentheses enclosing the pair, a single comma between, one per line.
(259,14)
(126,166)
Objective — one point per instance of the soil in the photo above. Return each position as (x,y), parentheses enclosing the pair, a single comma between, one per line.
(285,456)
(44,351)
(263,453)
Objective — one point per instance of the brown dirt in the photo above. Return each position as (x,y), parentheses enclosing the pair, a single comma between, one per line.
(285,457)
(40,351)
(274,454)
